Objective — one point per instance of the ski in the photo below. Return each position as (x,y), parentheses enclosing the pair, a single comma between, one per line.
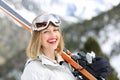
(10,12)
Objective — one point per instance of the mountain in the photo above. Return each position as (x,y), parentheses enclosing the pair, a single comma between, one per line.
(94,27)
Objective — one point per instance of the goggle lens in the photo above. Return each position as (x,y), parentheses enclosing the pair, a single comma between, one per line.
(39,25)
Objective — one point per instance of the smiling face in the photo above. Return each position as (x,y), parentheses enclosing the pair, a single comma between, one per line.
(50,37)
(46,36)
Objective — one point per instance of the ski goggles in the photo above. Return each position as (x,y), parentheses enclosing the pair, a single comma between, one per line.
(42,22)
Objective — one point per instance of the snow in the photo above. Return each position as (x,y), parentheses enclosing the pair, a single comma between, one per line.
(108,37)
(85,9)
(116,64)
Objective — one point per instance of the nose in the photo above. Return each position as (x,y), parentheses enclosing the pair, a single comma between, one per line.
(52,33)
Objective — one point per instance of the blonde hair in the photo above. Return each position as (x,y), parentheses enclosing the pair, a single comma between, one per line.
(35,48)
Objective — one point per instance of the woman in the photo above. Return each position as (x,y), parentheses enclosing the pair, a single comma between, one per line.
(44,50)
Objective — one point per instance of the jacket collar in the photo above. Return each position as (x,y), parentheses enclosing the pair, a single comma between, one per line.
(46,61)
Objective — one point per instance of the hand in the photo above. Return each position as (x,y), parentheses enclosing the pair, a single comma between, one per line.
(99,68)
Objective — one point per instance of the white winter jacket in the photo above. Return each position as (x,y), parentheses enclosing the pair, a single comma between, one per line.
(46,69)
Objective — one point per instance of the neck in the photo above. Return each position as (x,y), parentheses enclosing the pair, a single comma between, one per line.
(49,53)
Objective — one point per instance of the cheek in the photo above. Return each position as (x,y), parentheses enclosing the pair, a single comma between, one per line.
(43,39)
(59,36)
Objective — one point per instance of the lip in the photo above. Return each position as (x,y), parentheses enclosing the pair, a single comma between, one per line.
(52,40)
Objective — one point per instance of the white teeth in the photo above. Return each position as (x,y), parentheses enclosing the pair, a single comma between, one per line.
(51,40)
